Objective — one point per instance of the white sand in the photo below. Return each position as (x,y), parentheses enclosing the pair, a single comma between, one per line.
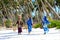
(36,34)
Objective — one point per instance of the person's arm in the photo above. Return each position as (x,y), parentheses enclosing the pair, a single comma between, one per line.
(17,22)
(22,23)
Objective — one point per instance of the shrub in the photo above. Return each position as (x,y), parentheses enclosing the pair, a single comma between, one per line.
(58,27)
(14,24)
(58,24)
(8,23)
(38,25)
(0,22)
(52,24)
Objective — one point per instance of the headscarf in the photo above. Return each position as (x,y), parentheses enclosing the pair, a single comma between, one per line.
(44,20)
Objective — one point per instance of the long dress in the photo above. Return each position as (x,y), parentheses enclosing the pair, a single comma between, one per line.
(20,24)
(29,23)
(45,24)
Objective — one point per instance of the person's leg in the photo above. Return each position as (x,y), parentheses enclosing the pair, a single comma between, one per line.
(44,32)
(29,29)
(45,28)
(19,30)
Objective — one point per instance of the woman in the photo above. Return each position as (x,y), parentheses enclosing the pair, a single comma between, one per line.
(29,23)
(20,24)
(45,24)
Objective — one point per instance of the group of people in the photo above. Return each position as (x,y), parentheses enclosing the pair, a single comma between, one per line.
(45,23)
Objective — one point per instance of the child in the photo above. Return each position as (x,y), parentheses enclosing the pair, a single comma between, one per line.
(45,24)
(20,24)
(29,23)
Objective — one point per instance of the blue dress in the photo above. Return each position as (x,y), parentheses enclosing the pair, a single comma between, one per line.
(29,23)
(45,24)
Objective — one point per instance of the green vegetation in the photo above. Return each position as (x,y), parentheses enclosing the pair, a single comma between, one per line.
(53,23)
(8,23)
(10,9)
(0,22)
(37,25)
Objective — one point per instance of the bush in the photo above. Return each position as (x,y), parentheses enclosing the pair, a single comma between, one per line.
(58,27)
(14,24)
(8,23)
(0,22)
(58,24)
(38,25)
(54,23)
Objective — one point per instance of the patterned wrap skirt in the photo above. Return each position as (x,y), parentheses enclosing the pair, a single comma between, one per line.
(19,29)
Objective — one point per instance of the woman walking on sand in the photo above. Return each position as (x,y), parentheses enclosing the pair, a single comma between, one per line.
(29,23)
(45,23)
(20,24)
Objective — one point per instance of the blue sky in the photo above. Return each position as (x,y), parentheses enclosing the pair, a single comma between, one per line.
(33,0)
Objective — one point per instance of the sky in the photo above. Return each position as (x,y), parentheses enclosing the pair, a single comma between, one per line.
(33,0)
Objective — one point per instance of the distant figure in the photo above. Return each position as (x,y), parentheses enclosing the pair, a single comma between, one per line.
(29,23)
(45,23)
(20,24)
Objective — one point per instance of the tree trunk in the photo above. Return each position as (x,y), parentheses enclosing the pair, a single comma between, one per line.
(40,13)
(50,7)
(44,8)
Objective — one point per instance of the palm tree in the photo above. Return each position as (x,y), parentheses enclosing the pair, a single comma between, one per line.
(50,7)
(27,6)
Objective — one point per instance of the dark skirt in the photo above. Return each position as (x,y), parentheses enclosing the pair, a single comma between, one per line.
(19,29)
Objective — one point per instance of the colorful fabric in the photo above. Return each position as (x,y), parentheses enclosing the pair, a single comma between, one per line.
(45,27)
(45,21)
(29,23)
(45,24)
(29,28)
(19,29)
